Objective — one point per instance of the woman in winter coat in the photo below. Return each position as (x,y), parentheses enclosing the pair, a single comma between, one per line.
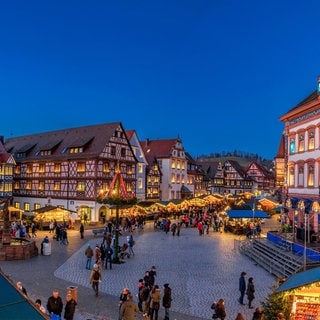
(220,310)
(250,291)
(155,298)
(70,307)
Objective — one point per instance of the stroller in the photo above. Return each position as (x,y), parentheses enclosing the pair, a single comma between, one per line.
(123,253)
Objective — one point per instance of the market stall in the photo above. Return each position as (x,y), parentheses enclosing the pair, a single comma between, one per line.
(303,292)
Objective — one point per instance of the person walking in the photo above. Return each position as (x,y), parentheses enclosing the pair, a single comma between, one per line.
(242,287)
(122,299)
(166,300)
(155,298)
(81,230)
(131,243)
(89,254)
(129,309)
(55,305)
(95,279)
(250,292)
(70,307)
(108,256)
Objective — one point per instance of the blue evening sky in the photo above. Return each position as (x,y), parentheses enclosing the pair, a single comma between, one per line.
(219,74)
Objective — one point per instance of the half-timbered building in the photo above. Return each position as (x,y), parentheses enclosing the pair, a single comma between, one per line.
(7,164)
(70,168)
(172,161)
(263,179)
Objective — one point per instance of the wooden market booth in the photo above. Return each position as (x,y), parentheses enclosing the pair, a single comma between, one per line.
(303,293)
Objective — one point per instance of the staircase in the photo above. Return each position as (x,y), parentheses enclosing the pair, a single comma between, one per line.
(278,259)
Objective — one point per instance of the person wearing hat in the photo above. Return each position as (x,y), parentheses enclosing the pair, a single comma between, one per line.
(89,254)
(95,279)
(166,300)
(242,287)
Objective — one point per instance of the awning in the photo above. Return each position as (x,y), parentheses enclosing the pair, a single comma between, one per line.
(300,279)
(237,214)
(13,305)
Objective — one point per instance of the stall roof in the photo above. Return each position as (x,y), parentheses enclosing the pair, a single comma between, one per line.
(13,305)
(300,279)
(247,214)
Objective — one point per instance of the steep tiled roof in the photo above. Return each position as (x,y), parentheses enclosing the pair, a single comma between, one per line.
(155,149)
(238,168)
(129,133)
(93,138)
(281,149)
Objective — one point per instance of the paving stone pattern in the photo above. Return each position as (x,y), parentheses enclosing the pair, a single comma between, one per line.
(199,269)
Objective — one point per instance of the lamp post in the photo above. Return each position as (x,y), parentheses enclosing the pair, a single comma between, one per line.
(118,196)
(305,243)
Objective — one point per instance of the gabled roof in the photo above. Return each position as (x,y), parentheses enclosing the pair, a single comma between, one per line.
(262,169)
(158,148)
(94,138)
(238,168)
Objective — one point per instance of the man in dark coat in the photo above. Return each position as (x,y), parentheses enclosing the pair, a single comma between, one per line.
(242,287)
(166,300)
(55,304)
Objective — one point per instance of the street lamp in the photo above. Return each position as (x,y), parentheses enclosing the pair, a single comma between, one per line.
(305,243)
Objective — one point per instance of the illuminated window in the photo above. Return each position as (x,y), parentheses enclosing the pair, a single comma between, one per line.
(17,170)
(28,186)
(42,168)
(178,165)
(29,168)
(57,167)
(106,168)
(292,145)
(173,164)
(57,186)
(311,141)
(178,178)
(76,150)
(16,185)
(301,142)
(156,179)
(37,206)
(149,179)
(41,185)
(81,186)
(140,185)
(26,206)
(182,178)
(140,168)
(183,165)
(81,167)
(310,176)
(300,176)
(173,178)
(129,169)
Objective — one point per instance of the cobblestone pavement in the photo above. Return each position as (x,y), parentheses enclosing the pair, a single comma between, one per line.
(199,269)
